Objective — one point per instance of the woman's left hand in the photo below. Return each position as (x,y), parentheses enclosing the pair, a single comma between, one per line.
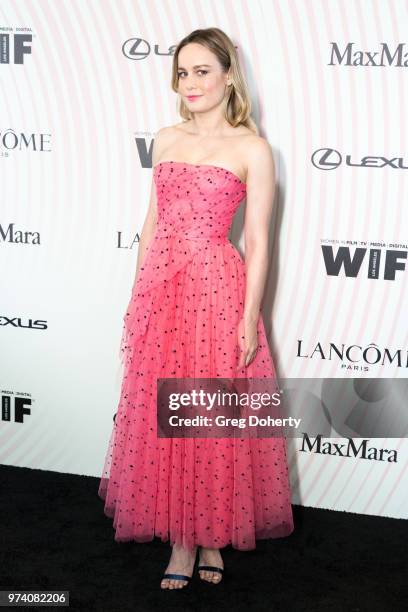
(247,342)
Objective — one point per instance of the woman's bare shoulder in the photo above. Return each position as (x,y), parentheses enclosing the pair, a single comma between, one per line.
(169,130)
(164,138)
(259,158)
(257,148)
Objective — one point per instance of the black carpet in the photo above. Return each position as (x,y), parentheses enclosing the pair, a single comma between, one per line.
(55,536)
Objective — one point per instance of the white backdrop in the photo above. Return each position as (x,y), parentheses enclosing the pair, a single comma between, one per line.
(85,85)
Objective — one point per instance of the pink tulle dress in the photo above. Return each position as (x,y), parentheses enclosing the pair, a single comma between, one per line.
(182,321)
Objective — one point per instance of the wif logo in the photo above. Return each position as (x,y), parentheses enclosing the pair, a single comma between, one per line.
(13,47)
(17,412)
(352,263)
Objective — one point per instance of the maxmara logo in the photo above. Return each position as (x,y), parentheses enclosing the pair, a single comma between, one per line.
(352,448)
(16,236)
(385,56)
(330,159)
(381,262)
(15,44)
(353,356)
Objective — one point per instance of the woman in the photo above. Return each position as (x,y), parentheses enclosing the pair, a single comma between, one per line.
(195,312)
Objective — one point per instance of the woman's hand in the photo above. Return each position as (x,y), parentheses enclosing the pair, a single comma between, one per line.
(247,341)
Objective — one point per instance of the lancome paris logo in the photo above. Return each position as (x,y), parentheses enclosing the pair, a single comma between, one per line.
(331,159)
(15,44)
(356,449)
(385,261)
(15,407)
(350,55)
(122,243)
(10,140)
(354,357)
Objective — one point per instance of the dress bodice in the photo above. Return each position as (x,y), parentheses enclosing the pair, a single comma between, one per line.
(197,201)
(196,204)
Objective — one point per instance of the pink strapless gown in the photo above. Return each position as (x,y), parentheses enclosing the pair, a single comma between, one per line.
(182,321)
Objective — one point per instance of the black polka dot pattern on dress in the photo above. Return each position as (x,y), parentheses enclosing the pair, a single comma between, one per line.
(181,321)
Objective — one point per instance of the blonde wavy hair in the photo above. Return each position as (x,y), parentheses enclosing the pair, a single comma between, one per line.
(238,104)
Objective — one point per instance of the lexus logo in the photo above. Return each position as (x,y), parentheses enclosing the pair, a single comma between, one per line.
(136,48)
(329,159)
(326,159)
(139,49)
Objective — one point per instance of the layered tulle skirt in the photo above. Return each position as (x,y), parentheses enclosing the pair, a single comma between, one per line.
(191,491)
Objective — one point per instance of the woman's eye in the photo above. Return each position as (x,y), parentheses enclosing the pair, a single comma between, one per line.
(202,71)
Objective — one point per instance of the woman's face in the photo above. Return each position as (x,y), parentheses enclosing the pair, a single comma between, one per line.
(201,82)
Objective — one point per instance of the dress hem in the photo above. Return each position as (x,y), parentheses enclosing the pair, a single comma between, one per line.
(166,538)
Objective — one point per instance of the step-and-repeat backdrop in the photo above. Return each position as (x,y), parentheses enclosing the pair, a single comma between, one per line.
(85,85)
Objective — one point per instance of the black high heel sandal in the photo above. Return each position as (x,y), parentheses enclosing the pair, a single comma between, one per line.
(210,568)
(177,577)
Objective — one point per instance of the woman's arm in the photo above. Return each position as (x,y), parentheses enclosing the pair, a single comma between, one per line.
(259,203)
(149,227)
(150,223)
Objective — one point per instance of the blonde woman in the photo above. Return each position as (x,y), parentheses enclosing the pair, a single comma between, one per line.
(195,312)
